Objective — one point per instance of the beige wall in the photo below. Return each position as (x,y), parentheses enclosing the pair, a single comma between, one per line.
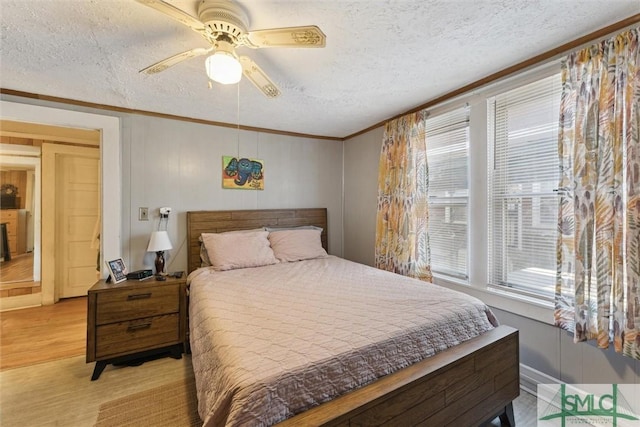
(170,163)
(361,157)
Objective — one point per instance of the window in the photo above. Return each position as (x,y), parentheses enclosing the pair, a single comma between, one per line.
(522,177)
(447,137)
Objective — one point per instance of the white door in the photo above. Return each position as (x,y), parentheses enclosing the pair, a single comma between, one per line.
(77,211)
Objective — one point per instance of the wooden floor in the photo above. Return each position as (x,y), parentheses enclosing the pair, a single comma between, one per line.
(40,334)
(65,395)
(16,276)
(19,269)
(36,349)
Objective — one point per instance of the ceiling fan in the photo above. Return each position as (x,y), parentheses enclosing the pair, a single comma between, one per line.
(224,24)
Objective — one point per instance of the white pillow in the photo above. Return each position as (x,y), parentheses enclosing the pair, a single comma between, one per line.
(297,244)
(204,256)
(228,251)
(293,227)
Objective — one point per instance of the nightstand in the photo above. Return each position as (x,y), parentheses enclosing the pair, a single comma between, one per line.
(131,320)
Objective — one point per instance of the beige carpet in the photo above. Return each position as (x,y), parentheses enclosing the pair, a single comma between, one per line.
(61,394)
(172,405)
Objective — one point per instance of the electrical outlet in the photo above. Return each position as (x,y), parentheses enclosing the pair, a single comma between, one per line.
(143,214)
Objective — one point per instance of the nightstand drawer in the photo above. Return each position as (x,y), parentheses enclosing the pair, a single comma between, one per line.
(8,215)
(137,335)
(125,304)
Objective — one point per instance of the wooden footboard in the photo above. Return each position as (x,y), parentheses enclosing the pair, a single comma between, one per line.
(463,386)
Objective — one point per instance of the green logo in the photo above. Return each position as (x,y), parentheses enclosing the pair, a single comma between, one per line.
(589,409)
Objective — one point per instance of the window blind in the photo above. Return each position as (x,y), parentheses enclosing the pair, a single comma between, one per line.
(523,174)
(447,137)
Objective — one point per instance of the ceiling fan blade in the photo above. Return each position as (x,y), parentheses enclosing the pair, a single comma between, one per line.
(258,77)
(307,36)
(175,13)
(173,60)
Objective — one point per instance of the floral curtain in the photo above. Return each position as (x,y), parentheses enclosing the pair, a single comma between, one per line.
(598,281)
(402,242)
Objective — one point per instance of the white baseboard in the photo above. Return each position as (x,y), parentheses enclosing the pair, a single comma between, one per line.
(530,378)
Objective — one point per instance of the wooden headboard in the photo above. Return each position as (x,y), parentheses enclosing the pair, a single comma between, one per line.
(199,222)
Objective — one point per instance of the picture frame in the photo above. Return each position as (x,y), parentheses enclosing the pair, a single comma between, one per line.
(117,270)
(242,173)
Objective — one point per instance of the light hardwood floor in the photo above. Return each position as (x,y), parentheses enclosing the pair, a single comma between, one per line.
(19,269)
(42,358)
(16,276)
(65,396)
(39,334)
(44,377)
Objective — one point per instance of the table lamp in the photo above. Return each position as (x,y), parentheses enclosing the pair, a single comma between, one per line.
(159,243)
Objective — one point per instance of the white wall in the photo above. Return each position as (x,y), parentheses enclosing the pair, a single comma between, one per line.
(361,157)
(178,164)
(543,347)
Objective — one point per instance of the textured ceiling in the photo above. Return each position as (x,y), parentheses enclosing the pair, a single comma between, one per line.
(382,57)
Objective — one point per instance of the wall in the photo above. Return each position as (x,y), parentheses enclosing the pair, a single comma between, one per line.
(543,347)
(17,178)
(361,157)
(552,351)
(179,164)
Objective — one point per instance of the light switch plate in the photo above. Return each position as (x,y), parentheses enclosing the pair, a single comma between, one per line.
(143,214)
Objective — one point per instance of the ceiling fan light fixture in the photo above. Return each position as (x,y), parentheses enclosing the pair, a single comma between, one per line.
(223,66)
(225,26)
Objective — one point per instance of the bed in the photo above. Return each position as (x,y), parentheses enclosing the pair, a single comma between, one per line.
(292,374)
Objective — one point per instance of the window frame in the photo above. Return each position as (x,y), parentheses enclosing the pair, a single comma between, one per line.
(522,263)
(456,200)
(510,300)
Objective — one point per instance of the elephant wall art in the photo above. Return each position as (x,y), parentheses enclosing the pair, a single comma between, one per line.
(242,173)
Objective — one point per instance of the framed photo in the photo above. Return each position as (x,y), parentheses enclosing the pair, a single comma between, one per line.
(117,270)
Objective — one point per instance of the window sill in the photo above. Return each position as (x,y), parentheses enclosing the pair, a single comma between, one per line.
(503,300)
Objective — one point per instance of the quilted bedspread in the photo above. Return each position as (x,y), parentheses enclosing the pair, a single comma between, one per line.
(270,342)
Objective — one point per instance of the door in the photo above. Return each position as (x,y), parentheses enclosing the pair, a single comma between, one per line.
(77,209)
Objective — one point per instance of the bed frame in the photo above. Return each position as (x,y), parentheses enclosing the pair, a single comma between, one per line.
(467,385)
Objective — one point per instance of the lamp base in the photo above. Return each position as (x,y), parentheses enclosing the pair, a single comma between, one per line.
(160,263)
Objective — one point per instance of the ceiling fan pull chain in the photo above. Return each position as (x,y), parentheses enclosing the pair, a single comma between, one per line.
(238,120)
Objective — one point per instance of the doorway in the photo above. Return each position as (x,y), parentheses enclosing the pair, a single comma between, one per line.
(71,168)
(20,219)
(70,163)
(111,199)
(72,185)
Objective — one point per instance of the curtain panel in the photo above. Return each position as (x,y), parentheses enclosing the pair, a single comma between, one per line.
(402,241)
(598,277)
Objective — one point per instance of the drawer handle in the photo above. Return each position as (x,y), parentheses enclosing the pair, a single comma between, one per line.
(138,296)
(138,327)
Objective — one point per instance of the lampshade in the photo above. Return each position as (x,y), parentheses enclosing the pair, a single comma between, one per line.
(223,66)
(159,242)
